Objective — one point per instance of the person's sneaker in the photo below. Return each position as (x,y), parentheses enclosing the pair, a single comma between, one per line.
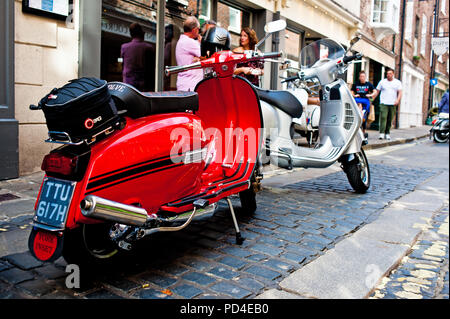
(388,137)
(382,137)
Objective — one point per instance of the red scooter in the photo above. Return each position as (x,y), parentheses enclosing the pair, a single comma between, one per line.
(157,171)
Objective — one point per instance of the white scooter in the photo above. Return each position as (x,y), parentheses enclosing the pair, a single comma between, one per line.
(340,135)
(307,125)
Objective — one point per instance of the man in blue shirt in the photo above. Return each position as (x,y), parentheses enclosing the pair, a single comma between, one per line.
(362,91)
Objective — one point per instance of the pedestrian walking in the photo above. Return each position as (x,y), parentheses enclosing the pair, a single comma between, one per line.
(363,91)
(443,105)
(188,51)
(138,61)
(391,91)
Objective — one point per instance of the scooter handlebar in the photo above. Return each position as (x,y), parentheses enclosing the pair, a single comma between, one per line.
(351,58)
(269,55)
(198,65)
(178,69)
(290,79)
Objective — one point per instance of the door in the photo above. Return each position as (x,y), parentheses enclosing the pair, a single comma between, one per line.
(375,76)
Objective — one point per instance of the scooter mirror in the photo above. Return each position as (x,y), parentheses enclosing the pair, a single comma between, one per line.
(285,65)
(271,27)
(355,40)
(275,26)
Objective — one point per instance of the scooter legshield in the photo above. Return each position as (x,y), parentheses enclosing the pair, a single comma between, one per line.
(231,112)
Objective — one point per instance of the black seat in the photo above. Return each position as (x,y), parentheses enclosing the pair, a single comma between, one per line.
(283,100)
(139,104)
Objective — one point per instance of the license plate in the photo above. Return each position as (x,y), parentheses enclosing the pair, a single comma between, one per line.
(54,202)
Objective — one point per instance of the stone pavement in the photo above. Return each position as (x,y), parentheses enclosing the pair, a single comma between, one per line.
(292,227)
(398,136)
(17,198)
(356,264)
(423,273)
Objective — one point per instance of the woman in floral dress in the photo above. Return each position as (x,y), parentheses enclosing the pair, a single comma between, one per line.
(250,70)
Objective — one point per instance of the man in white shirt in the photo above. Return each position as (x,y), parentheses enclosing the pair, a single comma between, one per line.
(390,90)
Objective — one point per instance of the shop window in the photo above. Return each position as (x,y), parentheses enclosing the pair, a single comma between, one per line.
(205,10)
(292,47)
(235,20)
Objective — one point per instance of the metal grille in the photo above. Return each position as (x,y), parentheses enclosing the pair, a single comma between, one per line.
(349,117)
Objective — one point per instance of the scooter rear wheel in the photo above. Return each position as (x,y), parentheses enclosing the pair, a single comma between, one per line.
(89,245)
(358,173)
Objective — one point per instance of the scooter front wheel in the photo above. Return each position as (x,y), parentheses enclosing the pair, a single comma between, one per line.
(358,173)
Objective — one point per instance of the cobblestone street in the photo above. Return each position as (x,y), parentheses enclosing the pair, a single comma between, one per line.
(295,224)
(423,274)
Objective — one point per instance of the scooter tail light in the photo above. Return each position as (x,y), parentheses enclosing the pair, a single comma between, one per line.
(434,122)
(57,163)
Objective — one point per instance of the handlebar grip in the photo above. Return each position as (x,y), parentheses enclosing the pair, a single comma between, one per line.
(177,69)
(290,79)
(271,55)
(348,59)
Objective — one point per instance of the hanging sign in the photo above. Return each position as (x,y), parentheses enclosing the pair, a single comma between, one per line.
(439,45)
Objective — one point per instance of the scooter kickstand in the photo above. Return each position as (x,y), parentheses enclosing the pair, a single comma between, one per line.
(239,238)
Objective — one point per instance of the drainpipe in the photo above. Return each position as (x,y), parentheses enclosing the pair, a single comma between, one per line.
(400,64)
(160,37)
(433,58)
(275,48)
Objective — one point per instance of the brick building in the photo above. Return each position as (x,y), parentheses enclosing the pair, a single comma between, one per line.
(382,34)
(441,62)
(47,51)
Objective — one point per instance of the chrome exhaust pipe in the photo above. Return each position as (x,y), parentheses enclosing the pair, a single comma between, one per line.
(100,208)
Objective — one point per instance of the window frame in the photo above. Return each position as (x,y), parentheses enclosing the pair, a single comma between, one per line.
(392,15)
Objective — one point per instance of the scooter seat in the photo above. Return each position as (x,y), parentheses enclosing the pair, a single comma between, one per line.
(139,104)
(283,100)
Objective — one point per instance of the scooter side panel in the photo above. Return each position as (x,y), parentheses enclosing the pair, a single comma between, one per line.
(144,164)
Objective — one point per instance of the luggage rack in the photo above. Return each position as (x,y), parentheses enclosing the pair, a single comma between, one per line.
(64,138)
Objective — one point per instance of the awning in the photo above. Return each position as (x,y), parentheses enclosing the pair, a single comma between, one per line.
(373,52)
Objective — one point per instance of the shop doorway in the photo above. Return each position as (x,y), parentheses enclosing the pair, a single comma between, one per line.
(111,68)
(375,76)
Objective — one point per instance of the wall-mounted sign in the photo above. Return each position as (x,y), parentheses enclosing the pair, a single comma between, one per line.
(433,82)
(57,9)
(439,45)
(122,28)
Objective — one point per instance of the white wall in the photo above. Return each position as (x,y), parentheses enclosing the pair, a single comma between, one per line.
(411,105)
(46,57)
(354,6)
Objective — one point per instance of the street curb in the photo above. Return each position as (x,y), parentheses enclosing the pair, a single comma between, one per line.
(304,283)
(394,142)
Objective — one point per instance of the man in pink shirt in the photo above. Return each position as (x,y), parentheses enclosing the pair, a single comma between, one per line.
(188,51)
